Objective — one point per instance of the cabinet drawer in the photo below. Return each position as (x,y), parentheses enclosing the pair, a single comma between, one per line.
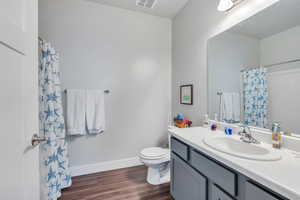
(220,175)
(179,148)
(254,192)
(218,194)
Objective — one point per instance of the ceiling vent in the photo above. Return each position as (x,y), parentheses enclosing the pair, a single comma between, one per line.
(146,3)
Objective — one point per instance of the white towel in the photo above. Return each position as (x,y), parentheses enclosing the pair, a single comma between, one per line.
(236,106)
(226,107)
(95,114)
(76,106)
(230,107)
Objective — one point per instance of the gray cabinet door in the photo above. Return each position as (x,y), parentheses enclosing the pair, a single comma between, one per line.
(186,183)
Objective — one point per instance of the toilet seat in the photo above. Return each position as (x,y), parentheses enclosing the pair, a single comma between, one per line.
(158,162)
(154,153)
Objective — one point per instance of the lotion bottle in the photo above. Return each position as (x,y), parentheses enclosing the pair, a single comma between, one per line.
(276,136)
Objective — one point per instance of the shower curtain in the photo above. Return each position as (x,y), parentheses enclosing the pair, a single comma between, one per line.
(54,167)
(255,93)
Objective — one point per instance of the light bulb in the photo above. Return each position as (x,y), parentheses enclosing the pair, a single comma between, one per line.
(225,5)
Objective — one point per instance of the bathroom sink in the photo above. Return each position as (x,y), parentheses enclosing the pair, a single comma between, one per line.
(232,145)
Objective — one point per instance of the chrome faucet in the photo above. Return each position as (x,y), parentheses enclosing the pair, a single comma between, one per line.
(246,135)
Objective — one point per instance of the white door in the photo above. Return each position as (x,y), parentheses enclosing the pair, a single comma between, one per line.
(19,168)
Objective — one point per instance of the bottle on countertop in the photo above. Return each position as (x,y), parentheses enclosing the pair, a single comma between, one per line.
(276,136)
(206,122)
(216,117)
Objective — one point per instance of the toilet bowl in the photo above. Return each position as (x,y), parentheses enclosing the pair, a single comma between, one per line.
(158,162)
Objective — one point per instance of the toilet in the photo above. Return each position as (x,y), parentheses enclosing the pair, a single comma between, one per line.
(158,162)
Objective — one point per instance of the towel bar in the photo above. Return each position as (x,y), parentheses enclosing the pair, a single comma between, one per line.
(105,91)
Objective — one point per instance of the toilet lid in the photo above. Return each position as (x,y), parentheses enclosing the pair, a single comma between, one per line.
(154,152)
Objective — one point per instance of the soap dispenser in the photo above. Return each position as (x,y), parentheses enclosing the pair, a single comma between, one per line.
(276,135)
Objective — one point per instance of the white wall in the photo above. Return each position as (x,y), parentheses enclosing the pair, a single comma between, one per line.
(192,27)
(283,81)
(281,47)
(127,52)
(228,54)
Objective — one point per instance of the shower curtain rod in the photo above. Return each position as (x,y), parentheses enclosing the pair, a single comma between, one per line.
(271,65)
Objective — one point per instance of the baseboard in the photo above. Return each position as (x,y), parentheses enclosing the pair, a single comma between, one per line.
(104,166)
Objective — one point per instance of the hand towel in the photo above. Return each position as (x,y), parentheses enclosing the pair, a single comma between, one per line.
(95,114)
(76,109)
(236,107)
(226,107)
(230,107)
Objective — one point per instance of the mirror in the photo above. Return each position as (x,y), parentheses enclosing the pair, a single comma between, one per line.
(254,70)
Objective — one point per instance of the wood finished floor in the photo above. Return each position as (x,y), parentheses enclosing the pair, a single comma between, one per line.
(128,183)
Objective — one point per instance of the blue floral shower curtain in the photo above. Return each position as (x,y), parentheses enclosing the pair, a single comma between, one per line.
(55,173)
(255,93)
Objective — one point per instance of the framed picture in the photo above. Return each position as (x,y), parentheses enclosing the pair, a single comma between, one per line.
(186,94)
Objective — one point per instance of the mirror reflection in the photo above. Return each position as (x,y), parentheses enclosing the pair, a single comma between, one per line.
(254,70)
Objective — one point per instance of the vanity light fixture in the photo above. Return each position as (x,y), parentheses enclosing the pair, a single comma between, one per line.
(226,5)
(146,3)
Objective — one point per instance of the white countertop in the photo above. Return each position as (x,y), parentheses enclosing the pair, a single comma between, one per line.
(281,176)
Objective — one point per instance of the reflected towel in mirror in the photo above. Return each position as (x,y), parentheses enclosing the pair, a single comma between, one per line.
(230,107)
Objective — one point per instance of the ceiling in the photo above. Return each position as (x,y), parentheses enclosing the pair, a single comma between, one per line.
(275,19)
(163,8)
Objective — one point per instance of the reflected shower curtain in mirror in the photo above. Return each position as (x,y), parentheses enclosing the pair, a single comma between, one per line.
(54,166)
(255,93)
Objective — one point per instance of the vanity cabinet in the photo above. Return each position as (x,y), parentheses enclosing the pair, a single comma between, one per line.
(196,176)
